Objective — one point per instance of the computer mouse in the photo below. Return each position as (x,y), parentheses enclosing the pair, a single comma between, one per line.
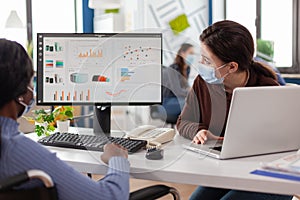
(155,154)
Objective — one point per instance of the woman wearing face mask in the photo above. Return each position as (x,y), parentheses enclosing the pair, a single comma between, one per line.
(175,81)
(226,63)
(19,153)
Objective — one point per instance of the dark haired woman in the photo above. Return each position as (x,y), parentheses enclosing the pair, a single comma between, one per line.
(19,153)
(226,63)
(175,83)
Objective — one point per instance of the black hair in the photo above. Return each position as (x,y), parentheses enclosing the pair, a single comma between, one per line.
(16,71)
(230,41)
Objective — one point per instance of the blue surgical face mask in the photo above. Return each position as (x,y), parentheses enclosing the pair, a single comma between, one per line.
(26,107)
(209,74)
(189,59)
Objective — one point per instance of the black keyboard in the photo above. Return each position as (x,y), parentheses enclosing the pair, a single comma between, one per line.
(90,142)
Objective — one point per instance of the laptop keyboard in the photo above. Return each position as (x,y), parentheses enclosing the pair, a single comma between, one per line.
(219,148)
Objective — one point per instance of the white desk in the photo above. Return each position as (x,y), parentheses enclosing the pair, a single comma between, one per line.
(182,166)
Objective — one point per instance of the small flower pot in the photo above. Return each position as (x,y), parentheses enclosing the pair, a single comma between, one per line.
(63,126)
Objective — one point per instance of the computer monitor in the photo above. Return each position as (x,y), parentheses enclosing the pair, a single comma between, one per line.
(100,69)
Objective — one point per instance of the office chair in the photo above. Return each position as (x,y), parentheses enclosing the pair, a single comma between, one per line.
(154,192)
(163,112)
(159,112)
(49,192)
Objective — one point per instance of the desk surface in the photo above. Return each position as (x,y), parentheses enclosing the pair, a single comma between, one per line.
(183,166)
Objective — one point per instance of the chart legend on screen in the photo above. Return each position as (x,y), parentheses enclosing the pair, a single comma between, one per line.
(125,74)
(59,63)
(49,63)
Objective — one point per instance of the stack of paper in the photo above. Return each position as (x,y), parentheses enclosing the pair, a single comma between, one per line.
(287,167)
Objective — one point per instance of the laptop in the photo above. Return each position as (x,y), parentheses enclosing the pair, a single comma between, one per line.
(261,120)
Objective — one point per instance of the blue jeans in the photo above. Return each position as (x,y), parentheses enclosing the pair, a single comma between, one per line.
(208,193)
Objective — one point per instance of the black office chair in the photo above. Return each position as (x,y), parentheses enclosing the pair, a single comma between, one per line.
(48,192)
(159,112)
(154,192)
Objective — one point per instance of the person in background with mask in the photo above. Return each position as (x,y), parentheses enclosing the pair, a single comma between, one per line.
(19,153)
(175,81)
(226,63)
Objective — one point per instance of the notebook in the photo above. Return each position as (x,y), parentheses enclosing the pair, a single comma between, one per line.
(287,167)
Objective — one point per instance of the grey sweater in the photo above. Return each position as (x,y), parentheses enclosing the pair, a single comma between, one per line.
(174,83)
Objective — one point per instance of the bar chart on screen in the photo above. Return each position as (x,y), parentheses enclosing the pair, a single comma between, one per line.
(73,96)
(90,53)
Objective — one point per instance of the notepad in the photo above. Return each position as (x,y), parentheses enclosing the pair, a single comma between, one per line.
(290,163)
(276,174)
(287,167)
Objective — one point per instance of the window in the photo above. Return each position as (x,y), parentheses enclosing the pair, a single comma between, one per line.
(53,16)
(274,22)
(236,9)
(16,34)
(277,26)
(47,16)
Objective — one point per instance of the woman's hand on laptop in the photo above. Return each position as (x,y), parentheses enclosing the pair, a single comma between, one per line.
(203,135)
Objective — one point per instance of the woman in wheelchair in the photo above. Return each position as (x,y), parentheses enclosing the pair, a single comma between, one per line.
(19,153)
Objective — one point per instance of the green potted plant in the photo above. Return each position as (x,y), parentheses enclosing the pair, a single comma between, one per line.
(43,120)
(62,117)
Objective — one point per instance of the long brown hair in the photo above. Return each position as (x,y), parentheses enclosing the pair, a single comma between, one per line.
(230,41)
(179,59)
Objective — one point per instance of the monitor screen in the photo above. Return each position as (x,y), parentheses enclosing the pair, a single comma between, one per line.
(99,68)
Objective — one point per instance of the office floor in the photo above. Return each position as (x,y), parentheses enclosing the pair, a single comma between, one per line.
(185,190)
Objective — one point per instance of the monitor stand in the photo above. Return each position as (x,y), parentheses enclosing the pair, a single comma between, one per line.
(101,122)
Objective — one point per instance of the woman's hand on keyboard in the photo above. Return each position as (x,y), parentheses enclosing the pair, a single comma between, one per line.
(113,150)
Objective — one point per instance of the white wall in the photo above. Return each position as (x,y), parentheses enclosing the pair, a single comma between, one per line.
(159,13)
